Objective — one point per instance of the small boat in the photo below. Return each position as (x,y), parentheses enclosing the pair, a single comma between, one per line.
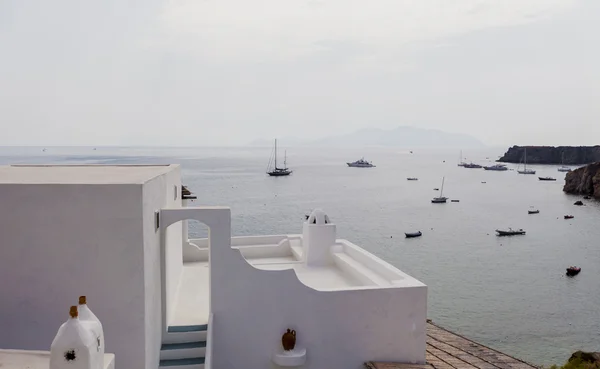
(586,197)
(436,189)
(471,165)
(440,199)
(413,234)
(547,179)
(497,167)
(412,179)
(569,216)
(510,232)
(361,163)
(533,211)
(455,200)
(573,271)
(562,167)
(483,182)
(461,163)
(276,171)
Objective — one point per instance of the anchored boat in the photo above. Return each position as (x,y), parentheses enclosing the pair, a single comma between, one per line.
(510,232)
(573,271)
(361,163)
(496,167)
(440,199)
(413,234)
(547,179)
(276,171)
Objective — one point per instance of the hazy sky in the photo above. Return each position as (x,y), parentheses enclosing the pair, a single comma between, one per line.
(216,72)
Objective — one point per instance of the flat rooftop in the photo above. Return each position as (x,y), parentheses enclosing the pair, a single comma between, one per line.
(81,174)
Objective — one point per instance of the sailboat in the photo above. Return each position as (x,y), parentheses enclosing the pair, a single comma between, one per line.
(440,199)
(563,168)
(525,170)
(461,163)
(276,171)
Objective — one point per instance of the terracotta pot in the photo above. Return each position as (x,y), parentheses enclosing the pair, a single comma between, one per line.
(289,340)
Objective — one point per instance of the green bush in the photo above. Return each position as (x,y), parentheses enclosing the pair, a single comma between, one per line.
(577,363)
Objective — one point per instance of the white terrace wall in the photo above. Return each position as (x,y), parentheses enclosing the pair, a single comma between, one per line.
(160,192)
(340,329)
(60,241)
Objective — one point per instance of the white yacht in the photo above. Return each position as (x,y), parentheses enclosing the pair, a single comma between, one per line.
(361,163)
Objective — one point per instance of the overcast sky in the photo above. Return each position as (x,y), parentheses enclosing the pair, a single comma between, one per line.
(225,72)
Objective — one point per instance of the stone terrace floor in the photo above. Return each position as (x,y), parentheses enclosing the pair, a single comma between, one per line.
(447,350)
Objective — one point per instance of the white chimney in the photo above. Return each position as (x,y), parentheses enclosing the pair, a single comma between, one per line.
(318,235)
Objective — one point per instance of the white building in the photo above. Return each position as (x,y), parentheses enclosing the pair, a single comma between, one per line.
(118,234)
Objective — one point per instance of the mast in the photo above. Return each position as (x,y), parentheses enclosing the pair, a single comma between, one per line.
(442,191)
(275,153)
(285,159)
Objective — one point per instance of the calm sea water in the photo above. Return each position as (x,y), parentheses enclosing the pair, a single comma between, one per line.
(508,293)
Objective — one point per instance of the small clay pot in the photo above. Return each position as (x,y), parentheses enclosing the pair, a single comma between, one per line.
(288,340)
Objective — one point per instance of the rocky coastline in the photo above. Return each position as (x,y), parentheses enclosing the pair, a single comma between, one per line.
(567,155)
(584,181)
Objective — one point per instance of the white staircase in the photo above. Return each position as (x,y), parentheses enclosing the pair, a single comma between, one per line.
(184,347)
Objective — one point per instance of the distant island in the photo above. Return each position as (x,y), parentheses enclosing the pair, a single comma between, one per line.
(403,136)
(567,155)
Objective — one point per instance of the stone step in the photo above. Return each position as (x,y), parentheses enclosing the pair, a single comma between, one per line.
(190,363)
(185,333)
(174,351)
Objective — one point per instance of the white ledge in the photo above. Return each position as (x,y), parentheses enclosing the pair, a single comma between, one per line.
(295,357)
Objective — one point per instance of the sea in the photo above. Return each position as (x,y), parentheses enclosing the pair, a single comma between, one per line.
(509,293)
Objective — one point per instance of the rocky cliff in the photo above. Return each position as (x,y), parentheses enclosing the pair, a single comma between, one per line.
(584,181)
(553,155)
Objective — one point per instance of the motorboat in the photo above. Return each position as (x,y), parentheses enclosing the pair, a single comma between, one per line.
(361,163)
(573,271)
(547,179)
(533,211)
(496,167)
(569,216)
(471,165)
(413,234)
(454,200)
(412,179)
(510,232)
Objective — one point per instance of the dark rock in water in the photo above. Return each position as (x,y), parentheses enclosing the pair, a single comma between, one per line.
(584,181)
(567,155)
(578,203)
(588,357)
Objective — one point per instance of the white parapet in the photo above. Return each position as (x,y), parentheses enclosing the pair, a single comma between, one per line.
(318,235)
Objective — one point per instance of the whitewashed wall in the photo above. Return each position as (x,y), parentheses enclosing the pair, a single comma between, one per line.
(159,193)
(341,329)
(60,241)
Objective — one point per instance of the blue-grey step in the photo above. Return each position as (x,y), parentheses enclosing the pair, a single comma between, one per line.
(187,328)
(179,362)
(183,346)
